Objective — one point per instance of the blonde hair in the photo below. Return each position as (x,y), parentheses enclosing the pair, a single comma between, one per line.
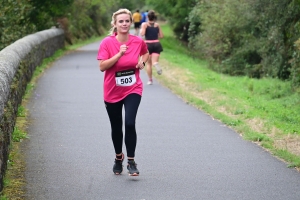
(114,19)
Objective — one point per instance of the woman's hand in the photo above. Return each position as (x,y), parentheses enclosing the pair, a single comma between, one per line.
(140,65)
(106,64)
(123,49)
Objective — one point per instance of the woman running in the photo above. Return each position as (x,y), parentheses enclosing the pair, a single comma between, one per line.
(121,56)
(152,32)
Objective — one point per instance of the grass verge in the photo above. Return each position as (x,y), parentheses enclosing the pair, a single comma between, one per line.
(265,111)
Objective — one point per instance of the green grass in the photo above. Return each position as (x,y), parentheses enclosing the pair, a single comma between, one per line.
(18,135)
(262,110)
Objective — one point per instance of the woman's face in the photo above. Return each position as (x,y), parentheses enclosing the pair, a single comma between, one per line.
(123,23)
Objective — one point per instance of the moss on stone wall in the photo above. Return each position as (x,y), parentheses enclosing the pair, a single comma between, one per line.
(17,88)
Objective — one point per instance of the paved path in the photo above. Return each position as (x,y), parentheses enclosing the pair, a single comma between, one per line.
(182,153)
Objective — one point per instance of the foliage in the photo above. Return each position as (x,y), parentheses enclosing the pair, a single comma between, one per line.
(18,135)
(295,65)
(248,37)
(80,19)
(14,22)
(45,12)
(132,4)
(257,38)
(93,18)
(280,31)
(176,12)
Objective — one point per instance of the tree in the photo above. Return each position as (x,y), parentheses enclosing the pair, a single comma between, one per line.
(45,12)
(176,12)
(248,37)
(14,22)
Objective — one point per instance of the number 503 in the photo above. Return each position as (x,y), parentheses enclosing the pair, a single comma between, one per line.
(126,80)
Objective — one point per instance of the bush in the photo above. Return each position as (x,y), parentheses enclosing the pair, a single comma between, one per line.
(255,38)
(14,21)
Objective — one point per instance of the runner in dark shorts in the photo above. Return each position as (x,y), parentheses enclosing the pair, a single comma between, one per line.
(152,32)
(137,24)
(154,47)
(137,18)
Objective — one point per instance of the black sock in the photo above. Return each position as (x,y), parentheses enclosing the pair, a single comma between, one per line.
(119,157)
(130,159)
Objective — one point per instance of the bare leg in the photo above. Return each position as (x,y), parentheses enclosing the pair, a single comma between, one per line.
(149,70)
(137,31)
(154,60)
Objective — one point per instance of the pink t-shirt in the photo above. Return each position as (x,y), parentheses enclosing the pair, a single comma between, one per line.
(109,47)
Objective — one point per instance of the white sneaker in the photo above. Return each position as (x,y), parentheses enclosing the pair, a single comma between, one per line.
(149,82)
(158,69)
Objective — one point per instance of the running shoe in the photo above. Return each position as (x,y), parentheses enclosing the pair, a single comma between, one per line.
(118,166)
(132,170)
(149,82)
(158,68)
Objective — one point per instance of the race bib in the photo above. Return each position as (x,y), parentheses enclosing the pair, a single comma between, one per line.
(125,78)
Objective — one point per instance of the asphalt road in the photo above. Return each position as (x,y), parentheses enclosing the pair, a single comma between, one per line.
(182,153)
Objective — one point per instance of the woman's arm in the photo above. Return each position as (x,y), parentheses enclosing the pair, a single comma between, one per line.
(106,64)
(160,33)
(143,60)
(143,29)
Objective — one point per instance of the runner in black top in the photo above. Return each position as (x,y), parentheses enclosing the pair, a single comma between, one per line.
(152,32)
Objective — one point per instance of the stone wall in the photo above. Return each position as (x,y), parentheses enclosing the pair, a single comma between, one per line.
(17,64)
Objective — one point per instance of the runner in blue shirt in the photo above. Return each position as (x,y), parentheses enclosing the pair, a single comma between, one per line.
(144,16)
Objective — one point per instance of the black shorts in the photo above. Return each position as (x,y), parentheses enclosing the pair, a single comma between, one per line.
(154,47)
(137,24)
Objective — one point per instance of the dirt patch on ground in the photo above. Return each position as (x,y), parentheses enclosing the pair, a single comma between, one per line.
(257,125)
(290,142)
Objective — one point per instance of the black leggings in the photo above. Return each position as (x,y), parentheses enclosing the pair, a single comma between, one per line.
(131,104)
